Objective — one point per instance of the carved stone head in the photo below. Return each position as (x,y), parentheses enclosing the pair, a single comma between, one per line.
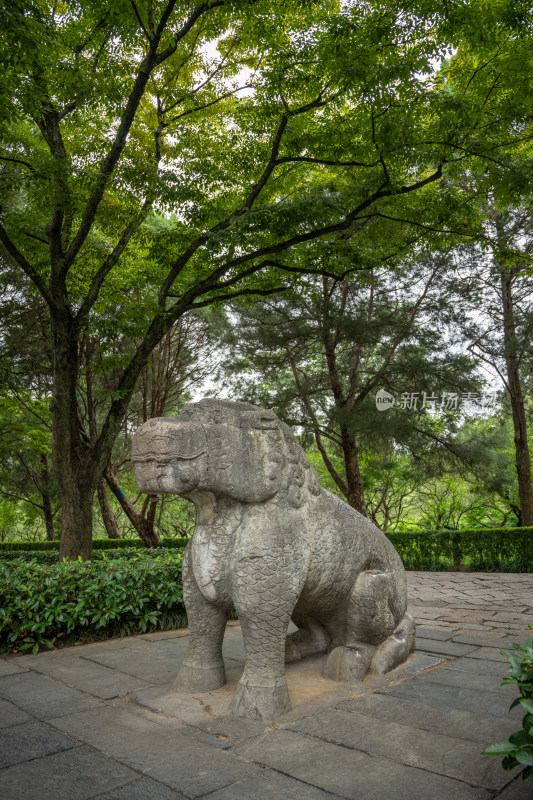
(231,449)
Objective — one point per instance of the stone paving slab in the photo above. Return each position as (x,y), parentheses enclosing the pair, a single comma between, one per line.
(456,757)
(486,641)
(10,668)
(102,721)
(465,679)
(31,740)
(76,774)
(10,714)
(271,784)
(142,789)
(479,667)
(444,696)
(491,653)
(144,664)
(43,697)
(439,634)
(177,761)
(455,722)
(517,790)
(445,648)
(352,774)
(90,677)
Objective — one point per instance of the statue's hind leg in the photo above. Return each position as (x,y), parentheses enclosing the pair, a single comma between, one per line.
(310,638)
(378,635)
(203,667)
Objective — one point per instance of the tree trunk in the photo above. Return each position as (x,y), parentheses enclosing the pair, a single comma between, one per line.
(512,363)
(74,465)
(108,519)
(48,518)
(47,503)
(143,525)
(355,495)
(77,519)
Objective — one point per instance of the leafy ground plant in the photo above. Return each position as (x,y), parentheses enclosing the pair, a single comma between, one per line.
(519,749)
(45,605)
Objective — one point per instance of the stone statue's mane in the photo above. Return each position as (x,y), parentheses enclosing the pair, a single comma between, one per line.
(284,452)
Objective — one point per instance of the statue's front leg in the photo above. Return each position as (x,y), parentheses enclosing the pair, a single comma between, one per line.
(265,594)
(203,667)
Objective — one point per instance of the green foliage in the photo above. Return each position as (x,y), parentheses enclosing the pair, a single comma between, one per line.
(261,128)
(498,550)
(45,605)
(98,544)
(518,751)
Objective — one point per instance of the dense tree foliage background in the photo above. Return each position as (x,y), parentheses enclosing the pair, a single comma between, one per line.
(159,159)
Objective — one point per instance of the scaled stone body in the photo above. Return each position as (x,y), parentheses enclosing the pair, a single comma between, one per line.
(272,545)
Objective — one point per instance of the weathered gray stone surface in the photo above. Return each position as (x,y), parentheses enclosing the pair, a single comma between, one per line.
(455,722)
(457,757)
(446,648)
(352,774)
(142,789)
(10,714)
(465,679)
(9,668)
(479,667)
(442,635)
(517,790)
(140,664)
(181,762)
(75,774)
(273,545)
(443,695)
(31,740)
(96,679)
(42,696)
(271,785)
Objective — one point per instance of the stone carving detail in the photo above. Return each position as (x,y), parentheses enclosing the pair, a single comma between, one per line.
(274,545)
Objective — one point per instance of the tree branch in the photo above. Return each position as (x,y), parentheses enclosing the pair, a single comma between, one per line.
(23,262)
(146,68)
(18,161)
(207,105)
(324,161)
(141,23)
(241,293)
(111,260)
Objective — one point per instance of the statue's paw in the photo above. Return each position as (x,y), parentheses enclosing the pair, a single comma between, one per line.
(192,678)
(261,700)
(395,649)
(348,663)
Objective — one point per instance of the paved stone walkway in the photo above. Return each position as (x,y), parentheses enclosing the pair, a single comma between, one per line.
(101,720)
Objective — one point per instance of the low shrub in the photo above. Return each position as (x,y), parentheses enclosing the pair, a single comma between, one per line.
(98,544)
(495,550)
(518,750)
(51,556)
(47,604)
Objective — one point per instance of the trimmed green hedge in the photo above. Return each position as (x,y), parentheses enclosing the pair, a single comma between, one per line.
(494,550)
(98,544)
(489,550)
(42,605)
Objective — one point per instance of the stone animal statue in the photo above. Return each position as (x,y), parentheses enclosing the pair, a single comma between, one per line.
(273,545)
